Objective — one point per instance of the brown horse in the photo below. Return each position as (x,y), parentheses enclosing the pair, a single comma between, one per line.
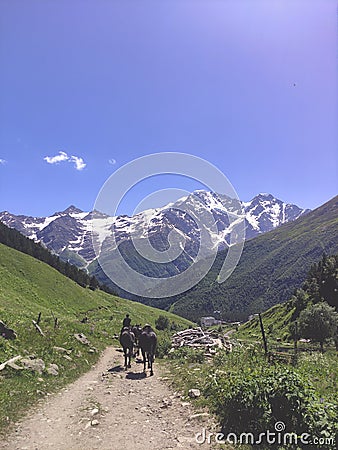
(127,339)
(148,342)
(137,330)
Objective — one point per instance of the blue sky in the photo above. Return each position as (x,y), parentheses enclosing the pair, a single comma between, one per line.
(251,86)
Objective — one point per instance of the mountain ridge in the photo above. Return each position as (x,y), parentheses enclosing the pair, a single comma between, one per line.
(69,231)
(271,266)
(279,257)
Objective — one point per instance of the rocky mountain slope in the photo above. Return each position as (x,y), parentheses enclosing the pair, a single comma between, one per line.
(271,267)
(70,233)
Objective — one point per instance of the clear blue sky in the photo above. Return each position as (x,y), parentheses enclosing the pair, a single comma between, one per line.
(251,86)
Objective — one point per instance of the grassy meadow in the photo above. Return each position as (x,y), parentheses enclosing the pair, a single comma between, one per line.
(29,287)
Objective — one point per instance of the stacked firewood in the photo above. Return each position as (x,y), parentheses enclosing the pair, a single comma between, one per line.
(197,338)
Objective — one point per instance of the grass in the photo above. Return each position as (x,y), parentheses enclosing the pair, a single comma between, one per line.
(217,379)
(321,370)
(276,321)
(28,287)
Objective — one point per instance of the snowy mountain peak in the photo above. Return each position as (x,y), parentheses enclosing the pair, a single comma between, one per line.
(69,233)
(264,196)
(73,209)
(70,210)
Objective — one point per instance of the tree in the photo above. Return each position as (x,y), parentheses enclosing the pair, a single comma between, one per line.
(318,322)
(322,281)
(162,323)
(12,238)
(299,301)
(93,283)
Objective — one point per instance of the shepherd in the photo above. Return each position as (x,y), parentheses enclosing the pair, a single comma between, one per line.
(126,321)
(148,342)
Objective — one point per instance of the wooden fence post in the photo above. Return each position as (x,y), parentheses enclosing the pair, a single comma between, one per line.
(263,335)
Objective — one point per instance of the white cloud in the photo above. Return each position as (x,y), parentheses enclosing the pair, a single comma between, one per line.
(3,161)
(62,156)
(79,163)
(112,161)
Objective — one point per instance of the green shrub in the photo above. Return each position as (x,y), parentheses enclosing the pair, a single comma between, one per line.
(162,322)
(188,354)
(163,345)
(254,400)
(175,326)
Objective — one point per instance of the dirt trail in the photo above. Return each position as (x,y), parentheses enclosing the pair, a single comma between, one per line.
(135,412)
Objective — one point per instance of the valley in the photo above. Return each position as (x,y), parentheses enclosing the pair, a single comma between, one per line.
(230,382)
(89,240)
(168,225)
(271,267)
(29,287)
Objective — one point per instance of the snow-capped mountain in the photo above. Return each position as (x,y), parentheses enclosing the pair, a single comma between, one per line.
(264,213)
(70,233)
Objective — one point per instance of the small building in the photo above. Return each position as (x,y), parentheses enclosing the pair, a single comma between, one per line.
(209,321)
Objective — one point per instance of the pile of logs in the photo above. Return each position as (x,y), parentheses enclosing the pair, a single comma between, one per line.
(197,338)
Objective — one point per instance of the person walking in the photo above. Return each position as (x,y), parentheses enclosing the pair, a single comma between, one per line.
(126,321)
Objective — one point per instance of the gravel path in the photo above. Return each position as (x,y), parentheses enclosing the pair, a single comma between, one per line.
(108,408)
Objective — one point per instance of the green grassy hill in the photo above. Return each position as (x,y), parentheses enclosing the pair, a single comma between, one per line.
(321,285)
(271,267)
(276,322)
(28,287)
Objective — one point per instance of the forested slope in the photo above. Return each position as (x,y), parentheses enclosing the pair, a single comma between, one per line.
(272,266)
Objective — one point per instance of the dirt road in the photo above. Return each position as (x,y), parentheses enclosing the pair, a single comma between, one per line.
(108,408)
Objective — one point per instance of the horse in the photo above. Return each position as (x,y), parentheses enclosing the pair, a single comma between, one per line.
(148,342)
(127,339)
(137,330)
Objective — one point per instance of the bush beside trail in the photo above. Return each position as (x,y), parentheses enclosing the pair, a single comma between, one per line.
(249,394)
